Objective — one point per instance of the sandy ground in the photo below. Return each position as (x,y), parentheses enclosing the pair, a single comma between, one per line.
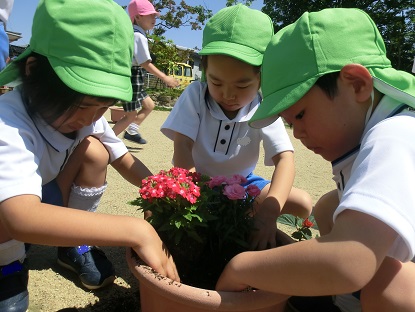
(52,288)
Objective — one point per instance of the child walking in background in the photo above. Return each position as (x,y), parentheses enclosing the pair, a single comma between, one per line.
(143,16)
(209,122)
(56,146)
(327,74)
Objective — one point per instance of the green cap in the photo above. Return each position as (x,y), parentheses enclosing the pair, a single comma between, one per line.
(89,44)
(319,43)
(239,32)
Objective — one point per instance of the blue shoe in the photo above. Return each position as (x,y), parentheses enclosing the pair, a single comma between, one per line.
(14,296)
(90,263)
(135,138)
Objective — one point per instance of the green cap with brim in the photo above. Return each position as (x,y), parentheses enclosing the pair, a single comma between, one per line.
(239,32)
(319,43)
(89,44)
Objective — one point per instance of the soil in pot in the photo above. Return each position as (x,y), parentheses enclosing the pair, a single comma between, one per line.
(197,265)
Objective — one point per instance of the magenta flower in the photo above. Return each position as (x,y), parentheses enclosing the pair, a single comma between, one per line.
(234,191)
(216,181)
(253,190)
(235,179)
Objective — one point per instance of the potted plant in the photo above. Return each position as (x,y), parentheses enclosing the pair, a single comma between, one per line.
(204,222)
(116,112)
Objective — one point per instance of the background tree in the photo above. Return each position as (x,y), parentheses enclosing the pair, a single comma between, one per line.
(394,18)
(165,54)
(177,15)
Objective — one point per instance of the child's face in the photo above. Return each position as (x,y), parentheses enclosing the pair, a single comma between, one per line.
(146,22)
(233,84)
(89,110)
(328,127)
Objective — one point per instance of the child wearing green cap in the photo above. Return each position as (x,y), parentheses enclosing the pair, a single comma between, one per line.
(56,146)
(209,122)
(327,74)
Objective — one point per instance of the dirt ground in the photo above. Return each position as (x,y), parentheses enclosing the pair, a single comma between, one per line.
(54,289)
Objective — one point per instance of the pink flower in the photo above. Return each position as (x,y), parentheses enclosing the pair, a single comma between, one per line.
(236,179)
(216,181)
(253,190)
(234,191)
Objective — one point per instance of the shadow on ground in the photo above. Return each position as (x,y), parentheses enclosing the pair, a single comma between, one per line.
(122,296)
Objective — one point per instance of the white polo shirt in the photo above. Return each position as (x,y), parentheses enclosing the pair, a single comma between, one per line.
(141,50)
(223,146)
(376,178)
(33,153)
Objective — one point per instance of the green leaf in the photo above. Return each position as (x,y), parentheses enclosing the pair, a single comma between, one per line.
(297,235)
(178,224)
(287,219)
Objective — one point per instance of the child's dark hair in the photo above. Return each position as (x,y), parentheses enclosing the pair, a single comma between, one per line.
(204,61)
(44,92)
(328,83)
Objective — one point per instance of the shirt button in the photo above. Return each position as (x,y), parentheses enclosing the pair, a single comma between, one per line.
(227,127)
(223,141)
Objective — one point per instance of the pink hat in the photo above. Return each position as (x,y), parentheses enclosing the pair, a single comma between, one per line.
(140,7)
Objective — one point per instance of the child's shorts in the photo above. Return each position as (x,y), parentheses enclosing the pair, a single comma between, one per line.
(51,194)
(137,83)
(260,182)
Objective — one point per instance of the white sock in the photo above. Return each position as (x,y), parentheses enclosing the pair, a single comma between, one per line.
(133,128)
(84,198)
(11,251)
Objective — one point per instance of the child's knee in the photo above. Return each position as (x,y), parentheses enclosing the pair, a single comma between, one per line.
(148,104)
(299,203)
(93,163)
(95,152)
(324,209)
(306,203)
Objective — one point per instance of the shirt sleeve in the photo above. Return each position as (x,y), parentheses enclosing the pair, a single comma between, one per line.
(141,50)
(115,147)
(275,141)
(185,115)
(381,181)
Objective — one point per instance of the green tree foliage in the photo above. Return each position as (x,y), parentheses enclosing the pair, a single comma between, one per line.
(174,15)
(394,18)
(165,53)
(177,15)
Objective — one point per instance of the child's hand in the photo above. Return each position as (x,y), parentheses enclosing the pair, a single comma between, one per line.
(171,82)
(155,254)
(264,235)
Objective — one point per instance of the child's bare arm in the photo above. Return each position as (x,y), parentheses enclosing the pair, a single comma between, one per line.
(271,201)
(131,168)
(282,179)
(26,219)
(343,261)
(182,156)
(168,80)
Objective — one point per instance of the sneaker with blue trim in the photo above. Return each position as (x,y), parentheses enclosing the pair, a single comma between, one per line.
(14,296)
(90,263)
(135,138)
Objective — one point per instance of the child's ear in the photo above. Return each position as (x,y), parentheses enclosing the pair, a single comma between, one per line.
(31,60)
(360,79)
